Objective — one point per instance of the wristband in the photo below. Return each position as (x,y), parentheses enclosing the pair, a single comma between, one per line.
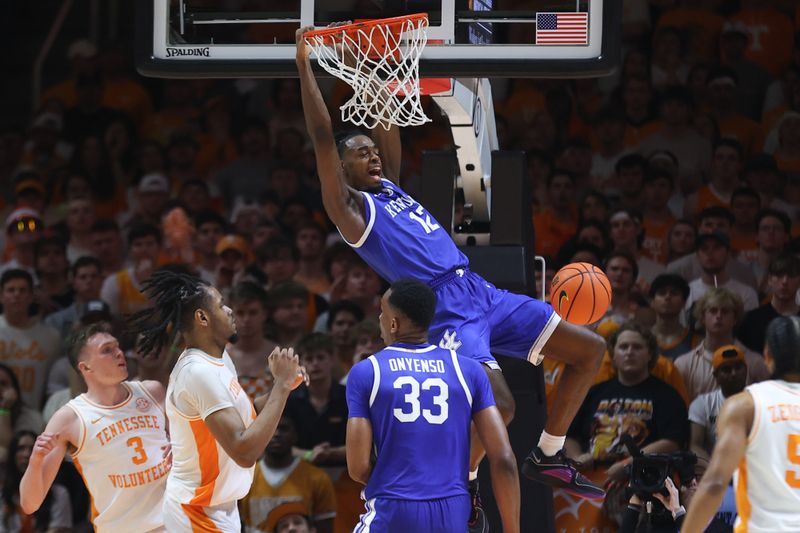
(679,512)
(4,411)
(308,455)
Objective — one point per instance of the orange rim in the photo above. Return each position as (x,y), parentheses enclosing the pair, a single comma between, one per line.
(395,24)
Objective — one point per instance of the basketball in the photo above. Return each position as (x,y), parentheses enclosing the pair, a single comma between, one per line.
(580,293)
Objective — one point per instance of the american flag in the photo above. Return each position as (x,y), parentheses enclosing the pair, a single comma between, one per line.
(562,28)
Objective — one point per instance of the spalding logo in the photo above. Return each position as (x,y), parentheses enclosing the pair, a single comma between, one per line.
(563,297)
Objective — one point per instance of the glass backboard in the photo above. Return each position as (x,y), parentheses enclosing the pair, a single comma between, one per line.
(475,38)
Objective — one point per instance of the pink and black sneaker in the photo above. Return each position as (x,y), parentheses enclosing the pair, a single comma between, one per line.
(559,472)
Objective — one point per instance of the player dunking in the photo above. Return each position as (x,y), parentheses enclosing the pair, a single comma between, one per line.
(116,432)
(216,435)
(398,238)
(413,402)
(758,437)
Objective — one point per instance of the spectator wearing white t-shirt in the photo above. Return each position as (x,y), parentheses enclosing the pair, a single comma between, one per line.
(713,252)
(730,373)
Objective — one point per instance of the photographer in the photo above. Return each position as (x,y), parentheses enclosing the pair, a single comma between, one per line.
(666,517)
(633,403)
(666,513)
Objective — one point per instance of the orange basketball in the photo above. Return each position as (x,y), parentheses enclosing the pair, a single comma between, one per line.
(580,293)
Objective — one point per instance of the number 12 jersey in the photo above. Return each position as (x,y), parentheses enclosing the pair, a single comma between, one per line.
(420,400)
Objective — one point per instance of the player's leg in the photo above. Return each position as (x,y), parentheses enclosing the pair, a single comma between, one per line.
(527,328)
(460,324)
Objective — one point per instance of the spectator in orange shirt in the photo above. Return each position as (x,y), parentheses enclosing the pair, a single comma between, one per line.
(558,221)
(770,32)
(700,24)
(637,98)
(82,57)
(122,91)
(726,168)
(310,242)
(722,84)
(658,219)
(178,112)
(745,205)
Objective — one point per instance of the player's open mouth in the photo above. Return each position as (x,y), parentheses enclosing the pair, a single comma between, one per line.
(375,172)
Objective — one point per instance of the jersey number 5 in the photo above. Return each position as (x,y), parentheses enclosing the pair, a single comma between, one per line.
(427,224)
(138,447)
(412,399)
(793,453)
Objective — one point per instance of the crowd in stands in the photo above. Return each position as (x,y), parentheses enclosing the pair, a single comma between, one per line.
(679,175)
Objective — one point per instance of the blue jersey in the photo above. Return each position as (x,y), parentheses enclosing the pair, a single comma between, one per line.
(420,400)
(403,240)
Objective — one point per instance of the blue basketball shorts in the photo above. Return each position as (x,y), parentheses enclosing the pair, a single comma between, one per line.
(476,319)
(442,515)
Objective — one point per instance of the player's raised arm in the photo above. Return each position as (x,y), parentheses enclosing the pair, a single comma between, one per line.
(733,427)
(343,204)
(391,150)
(246,445)
(48,453)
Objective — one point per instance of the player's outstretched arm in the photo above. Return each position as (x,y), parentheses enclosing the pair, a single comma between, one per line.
(391,150)
(48,453)
(343,205)
(246,444)
(733,427)
(359,448)
(505,480)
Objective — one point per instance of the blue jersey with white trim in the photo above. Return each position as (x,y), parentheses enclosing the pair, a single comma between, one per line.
(420,400)
(403,240)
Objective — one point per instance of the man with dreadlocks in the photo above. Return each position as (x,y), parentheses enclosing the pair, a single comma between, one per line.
(217,435)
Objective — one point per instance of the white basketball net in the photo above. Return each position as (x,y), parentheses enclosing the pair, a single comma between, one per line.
(385,80)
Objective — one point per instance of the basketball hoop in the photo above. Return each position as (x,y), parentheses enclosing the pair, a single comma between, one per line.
(379,59)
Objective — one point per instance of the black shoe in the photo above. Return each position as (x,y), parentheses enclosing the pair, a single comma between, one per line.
(477,518)
(559,471)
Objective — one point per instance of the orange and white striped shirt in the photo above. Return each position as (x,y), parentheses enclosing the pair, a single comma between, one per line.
(768,478)
(203,475)
(120,458)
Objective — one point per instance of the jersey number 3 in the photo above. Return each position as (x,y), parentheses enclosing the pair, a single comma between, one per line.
(412,399)
(427,224)
(138,447)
